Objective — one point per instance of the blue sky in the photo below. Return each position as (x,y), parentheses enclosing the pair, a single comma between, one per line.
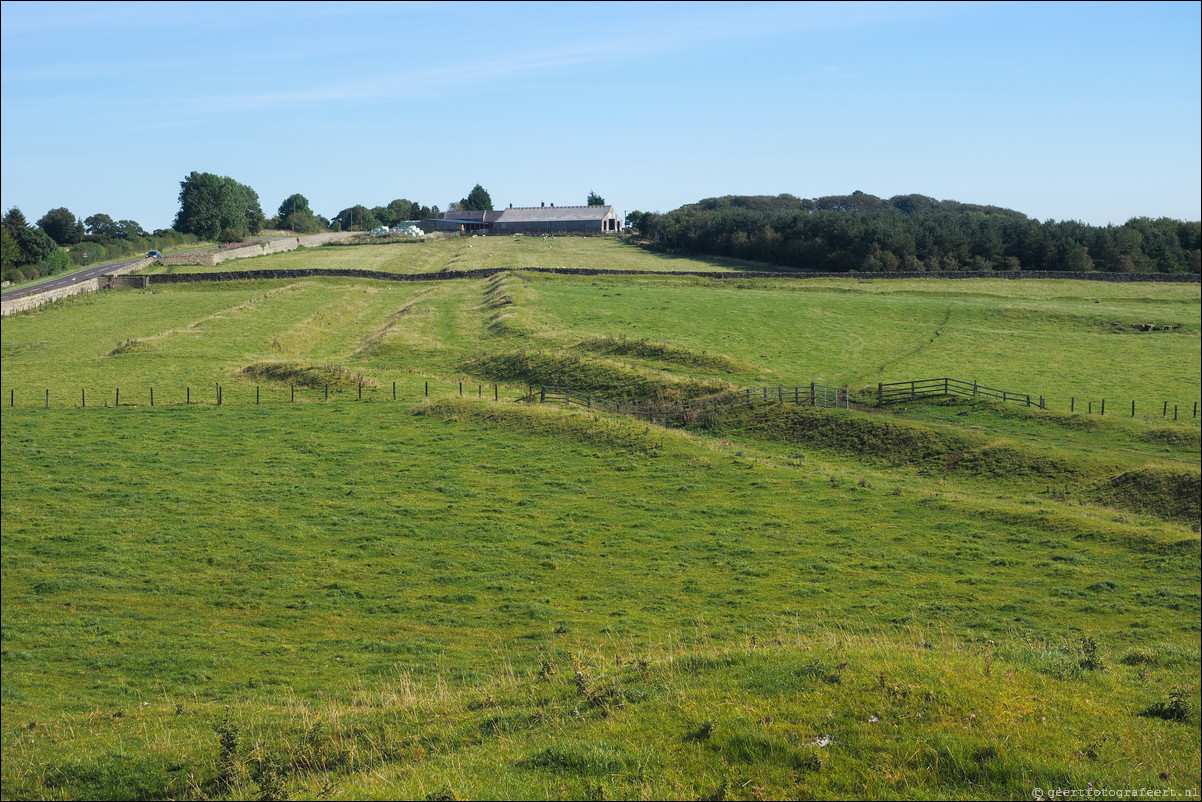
(1086,111)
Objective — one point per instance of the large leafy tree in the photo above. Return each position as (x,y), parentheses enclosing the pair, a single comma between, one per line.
(10,251)
(217,207)
(296,215)
(357,218)
(130,229)
(477,200)
(35,245)
(595,200)
(62,226)
(101,225)
(294,203)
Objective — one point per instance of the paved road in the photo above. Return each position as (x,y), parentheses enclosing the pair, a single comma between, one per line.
(58,282)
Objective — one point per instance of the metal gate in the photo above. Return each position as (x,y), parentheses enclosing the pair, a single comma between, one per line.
(829,397)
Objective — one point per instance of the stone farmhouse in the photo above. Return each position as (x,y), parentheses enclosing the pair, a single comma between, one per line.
(540,219)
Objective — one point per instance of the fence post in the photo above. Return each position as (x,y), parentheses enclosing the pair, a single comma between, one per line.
(974,388)
(293,388)
(1195,409)
(1090,408)
(119,399)
(1103,406)
(427,389)
(1165,411)
(1133,407)
(1029,401)
(813,394)
(47,398)
(152,396)
(1072,404)
(327,398)
(1042,405)
(495,393)
(394,391)
(912,389)
(880,392)
(479,391)
(219,395)
(846,399)
(83,398)
(11,397)
(945,386)
(542,394)
(256,395)
(189,396)
(1174,412)
(461,389)
(360,391)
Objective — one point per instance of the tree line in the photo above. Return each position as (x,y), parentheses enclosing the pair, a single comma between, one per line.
(212,208)
(60,241)
(915,233)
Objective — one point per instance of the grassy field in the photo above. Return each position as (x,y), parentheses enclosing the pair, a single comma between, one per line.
(473,253)
(460,598)
(1050,338)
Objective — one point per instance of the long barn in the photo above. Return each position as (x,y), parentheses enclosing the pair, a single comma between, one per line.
(532,220)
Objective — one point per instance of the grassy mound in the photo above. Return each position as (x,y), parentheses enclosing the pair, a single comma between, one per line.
(602,378)
(934,450)
(1168,494)
(314,377)
(129,347)
(662,352)
(619,434)
(885,441)
(1181,438)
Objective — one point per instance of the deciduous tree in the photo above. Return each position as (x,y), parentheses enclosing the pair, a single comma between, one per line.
(10,251)
(217,207)
(62,226)
(101,225)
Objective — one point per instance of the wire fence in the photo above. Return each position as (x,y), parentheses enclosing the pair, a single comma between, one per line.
(218,394)
(897,392)
(813,394)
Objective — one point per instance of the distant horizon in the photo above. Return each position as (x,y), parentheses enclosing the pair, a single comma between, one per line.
(1060,111)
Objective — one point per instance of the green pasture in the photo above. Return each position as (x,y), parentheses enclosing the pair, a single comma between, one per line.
(452,597)
(1055,339)
(473,253)
(297,565)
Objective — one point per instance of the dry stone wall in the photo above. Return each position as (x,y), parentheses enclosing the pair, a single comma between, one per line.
(38,298)
(90,285)
(209,257)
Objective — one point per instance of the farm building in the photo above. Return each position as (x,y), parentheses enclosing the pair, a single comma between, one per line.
(462,221)
(532,220)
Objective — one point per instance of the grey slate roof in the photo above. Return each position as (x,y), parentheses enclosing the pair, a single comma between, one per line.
(474,217)
(553,214)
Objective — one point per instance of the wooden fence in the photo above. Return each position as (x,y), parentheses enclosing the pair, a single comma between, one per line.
(814,394)
(925,388)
